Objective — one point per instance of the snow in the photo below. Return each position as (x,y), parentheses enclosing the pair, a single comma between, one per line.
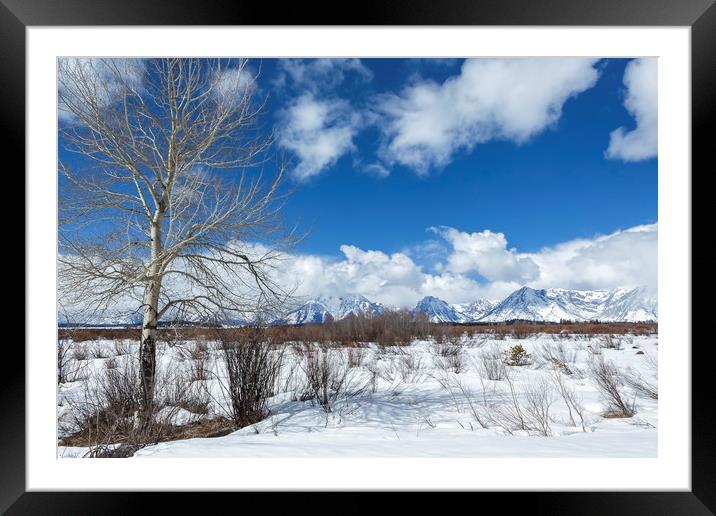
(547,305)
(406,442)
(317,310)
(552,305)
(394,410)
(437,310)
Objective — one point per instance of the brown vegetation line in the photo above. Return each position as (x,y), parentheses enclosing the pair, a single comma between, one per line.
(382,332)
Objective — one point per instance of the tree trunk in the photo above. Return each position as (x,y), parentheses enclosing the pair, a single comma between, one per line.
(148,348)
(148,343)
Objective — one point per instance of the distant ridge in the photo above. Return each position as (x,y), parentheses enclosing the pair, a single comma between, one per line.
(527,304)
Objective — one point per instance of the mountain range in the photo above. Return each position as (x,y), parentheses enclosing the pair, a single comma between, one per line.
(547,305)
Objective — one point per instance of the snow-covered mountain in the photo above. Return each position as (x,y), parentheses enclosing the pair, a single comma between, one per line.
(474,311)
(549,305)
(437,310)
(317,310)
(638,304)
(342,307)
(311,312)
(554,305)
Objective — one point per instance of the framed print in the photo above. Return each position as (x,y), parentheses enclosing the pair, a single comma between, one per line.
(440,249)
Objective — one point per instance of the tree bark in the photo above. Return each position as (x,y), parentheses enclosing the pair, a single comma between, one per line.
(148,349)
(148,343)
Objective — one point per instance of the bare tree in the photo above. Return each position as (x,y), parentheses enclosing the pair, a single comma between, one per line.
(167,197)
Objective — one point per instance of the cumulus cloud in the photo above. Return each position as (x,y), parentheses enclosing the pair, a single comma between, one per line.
(389,278)
(625,258)
(621,259)
(640,80)
(487,254)
(318,132)
(426,123)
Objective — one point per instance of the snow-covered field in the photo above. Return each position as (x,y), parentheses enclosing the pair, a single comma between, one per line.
(422,400)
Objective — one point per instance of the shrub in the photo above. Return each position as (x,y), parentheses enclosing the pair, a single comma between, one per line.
(106,416)
(539,397)
(79,352)
(517,356)
(409,367)
(449,357)
(122,347)
(609,381)
(570,398)
(327,376)
(641,385)
(610,342)
(557,356)
(63,359)
(355,357)
(492,363)
(252,368)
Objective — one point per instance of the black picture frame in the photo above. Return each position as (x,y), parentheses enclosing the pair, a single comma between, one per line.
(700,15)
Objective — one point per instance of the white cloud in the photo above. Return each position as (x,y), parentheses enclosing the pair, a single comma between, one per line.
(236,84)
(318,132)
(487,254)
(389,278)
(376,169)
(640,80)
(620,259)
(491,99)
(317,126)
(320,74)
(83,80)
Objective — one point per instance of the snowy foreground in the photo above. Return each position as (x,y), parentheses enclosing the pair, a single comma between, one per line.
(409,401)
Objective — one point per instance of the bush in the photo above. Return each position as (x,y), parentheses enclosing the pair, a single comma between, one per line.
(106,414)
(327,376)
(610,342)
(642,386)
(63,359)
(492,363)
(252,368)
(409,367)
(609,381)
(355,356)
(557,356)
(106,417)
(539,397)
(449,357)
(517,356)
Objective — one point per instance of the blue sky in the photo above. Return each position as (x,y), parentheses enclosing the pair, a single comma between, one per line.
(557,186)
(456,166)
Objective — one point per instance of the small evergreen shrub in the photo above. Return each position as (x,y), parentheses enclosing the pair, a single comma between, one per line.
(517,356)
